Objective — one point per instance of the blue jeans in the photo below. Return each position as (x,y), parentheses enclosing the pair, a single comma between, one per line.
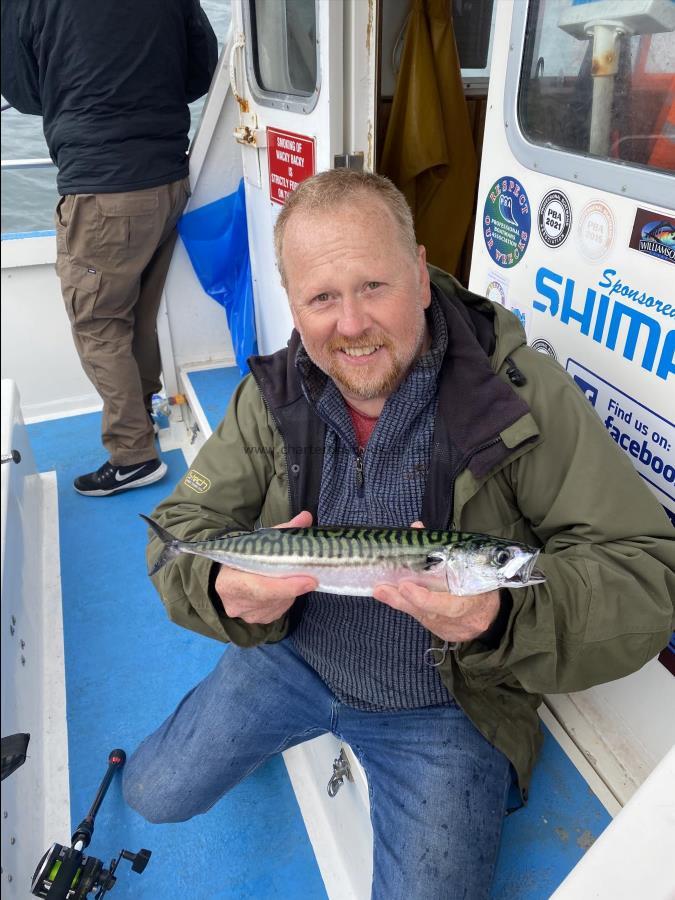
(437,788)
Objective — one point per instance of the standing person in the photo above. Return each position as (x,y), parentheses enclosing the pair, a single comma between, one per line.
(112,80)
(402,398)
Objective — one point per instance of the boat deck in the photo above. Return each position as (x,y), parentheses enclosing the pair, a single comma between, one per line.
(127,667)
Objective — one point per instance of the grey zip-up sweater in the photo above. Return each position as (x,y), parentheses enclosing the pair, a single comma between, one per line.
(369,655)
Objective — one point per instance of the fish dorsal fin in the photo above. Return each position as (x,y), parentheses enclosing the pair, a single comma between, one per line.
(434,559)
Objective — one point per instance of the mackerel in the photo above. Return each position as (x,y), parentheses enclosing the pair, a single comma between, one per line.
(352,561)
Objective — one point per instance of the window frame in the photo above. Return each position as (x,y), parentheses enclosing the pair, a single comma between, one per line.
(299,103)
(611,176)
(477,81)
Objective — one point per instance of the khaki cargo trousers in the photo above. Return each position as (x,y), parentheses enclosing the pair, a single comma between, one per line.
(113,254)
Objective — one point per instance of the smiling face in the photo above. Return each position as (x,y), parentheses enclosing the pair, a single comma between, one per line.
(357,297)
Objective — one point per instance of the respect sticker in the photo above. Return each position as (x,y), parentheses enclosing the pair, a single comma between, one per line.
(506,222)
(647,437)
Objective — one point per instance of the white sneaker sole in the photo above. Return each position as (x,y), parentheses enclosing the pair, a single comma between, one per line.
(157,475)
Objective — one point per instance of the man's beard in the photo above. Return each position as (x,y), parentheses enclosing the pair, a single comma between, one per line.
(359,383)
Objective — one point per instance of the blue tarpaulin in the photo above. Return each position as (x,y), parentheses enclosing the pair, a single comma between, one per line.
(216,239)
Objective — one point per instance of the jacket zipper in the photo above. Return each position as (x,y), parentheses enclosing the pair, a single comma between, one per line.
(460,468)
(359,473)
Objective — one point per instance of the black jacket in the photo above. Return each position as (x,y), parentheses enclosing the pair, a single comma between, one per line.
(112,80)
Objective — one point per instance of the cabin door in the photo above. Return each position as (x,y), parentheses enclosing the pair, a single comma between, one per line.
(575,234)
(302,72)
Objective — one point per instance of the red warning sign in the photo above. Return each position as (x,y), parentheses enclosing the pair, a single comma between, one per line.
(291,160)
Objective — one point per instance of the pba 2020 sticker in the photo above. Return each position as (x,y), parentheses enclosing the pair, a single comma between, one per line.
(506,222)
(554,218)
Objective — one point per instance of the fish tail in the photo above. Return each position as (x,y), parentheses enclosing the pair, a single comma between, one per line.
(171,548)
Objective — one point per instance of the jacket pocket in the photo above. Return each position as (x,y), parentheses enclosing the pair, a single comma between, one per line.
(79,286)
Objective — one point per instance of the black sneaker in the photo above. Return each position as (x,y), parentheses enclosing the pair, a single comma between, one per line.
(111,479)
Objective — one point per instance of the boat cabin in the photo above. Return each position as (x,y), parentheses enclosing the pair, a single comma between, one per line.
(535,141)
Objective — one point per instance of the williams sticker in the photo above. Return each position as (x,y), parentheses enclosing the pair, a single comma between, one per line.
(654,234)
(596,229)
(198,482)
(554,219)
(506,222)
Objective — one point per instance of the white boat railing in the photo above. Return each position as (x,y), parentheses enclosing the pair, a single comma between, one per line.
(39,163)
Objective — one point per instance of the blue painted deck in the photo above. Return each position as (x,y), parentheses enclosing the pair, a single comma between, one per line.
(127,667)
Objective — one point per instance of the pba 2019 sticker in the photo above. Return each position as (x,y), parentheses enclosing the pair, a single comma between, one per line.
(506,222)
(554,219)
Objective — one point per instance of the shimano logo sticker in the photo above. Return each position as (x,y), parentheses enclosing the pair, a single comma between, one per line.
(616,315)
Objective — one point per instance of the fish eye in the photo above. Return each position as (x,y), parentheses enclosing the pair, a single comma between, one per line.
(501,556)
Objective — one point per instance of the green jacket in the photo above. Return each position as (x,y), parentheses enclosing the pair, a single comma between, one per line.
(608,550)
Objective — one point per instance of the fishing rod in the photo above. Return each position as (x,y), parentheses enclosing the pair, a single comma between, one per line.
(65,873)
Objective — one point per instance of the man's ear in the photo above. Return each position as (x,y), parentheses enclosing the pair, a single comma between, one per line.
(423,272)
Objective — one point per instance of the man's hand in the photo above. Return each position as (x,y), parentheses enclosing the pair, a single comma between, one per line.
(451,618)
(258,599)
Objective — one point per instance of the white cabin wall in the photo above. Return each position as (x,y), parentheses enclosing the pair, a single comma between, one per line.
(625,727)
(37,345)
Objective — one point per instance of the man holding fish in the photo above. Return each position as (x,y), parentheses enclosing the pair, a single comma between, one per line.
(420,458)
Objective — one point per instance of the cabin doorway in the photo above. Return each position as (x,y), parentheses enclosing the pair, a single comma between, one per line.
(431,104)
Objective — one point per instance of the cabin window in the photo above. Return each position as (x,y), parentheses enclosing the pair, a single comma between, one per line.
(472,26)
(283,47)
(597,80)
(471,21)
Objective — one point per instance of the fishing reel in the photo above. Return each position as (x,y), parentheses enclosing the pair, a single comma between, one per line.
(65,873)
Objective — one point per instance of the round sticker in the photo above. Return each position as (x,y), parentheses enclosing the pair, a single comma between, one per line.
(495,292)
(541,345)
(554,219)
(596,229)
(506,222)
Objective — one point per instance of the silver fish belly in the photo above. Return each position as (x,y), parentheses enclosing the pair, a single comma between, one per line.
(352,561)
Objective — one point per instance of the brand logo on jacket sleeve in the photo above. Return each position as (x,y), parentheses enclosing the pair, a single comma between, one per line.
(197,482)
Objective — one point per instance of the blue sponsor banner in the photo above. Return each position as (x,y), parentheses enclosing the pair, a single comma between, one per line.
(646,436)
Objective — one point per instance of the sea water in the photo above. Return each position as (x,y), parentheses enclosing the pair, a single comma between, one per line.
(29,196)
